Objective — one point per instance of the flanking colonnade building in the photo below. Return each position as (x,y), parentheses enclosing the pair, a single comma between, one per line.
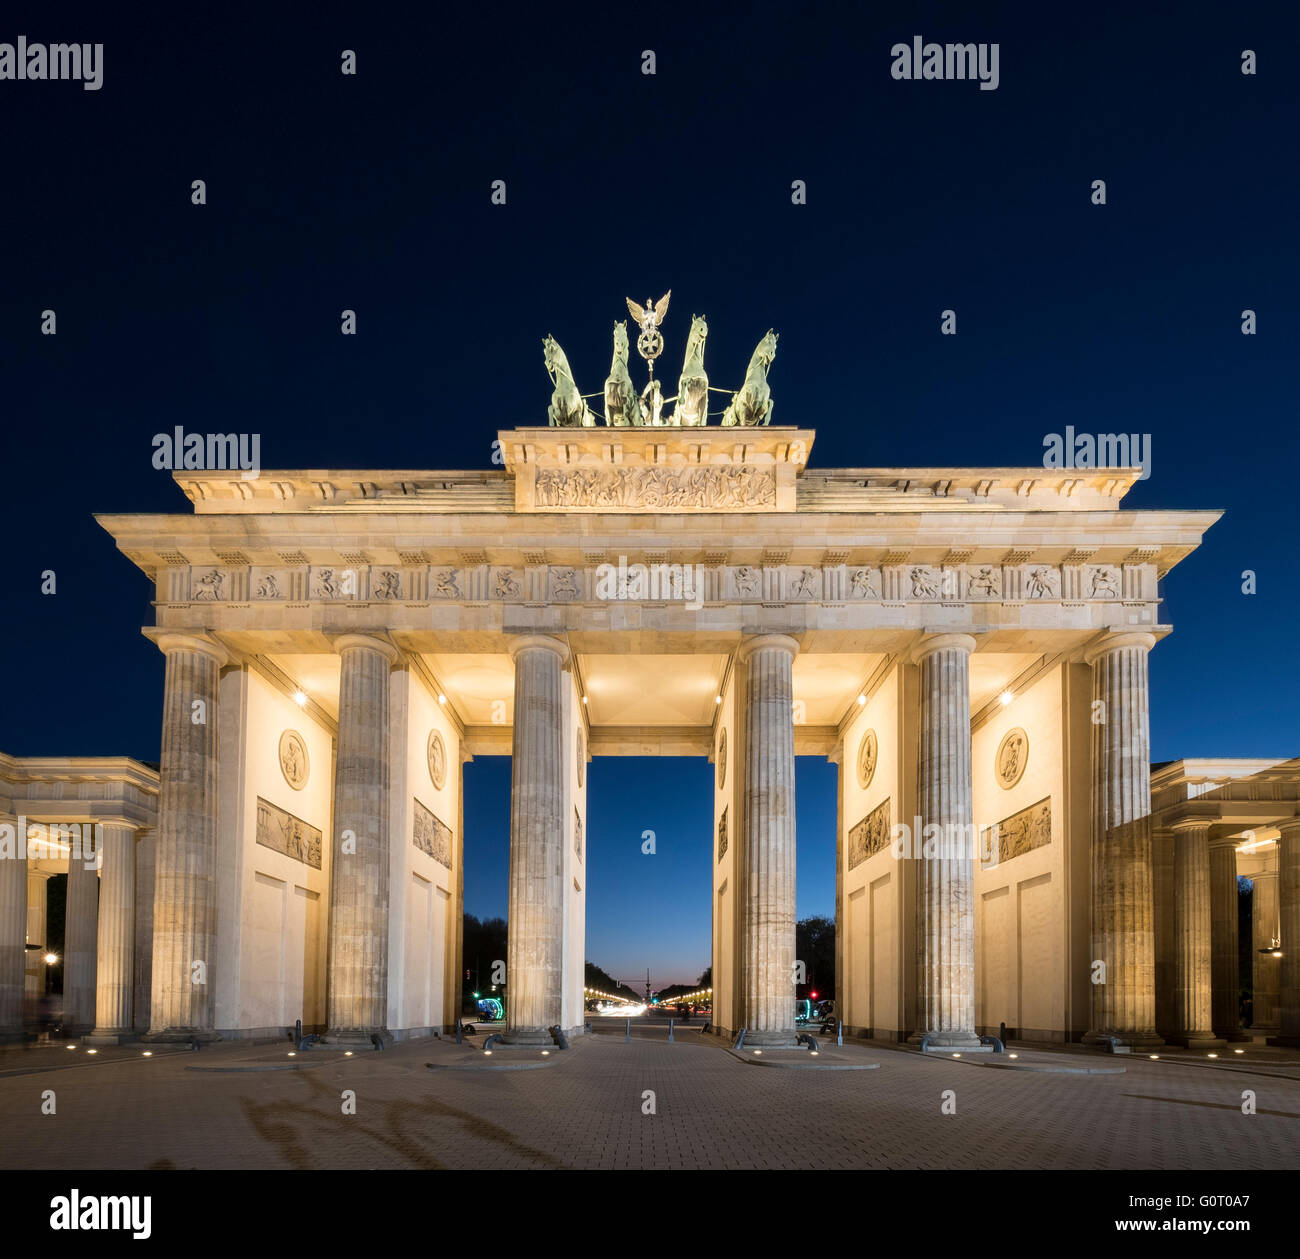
(969,646)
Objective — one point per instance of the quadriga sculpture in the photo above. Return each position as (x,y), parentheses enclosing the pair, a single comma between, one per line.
(752,404)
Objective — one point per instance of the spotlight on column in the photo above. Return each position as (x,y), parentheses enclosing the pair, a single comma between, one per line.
(1006,697)
(300,698)
(862,699)
(584,699)
(442,699)
(717,699)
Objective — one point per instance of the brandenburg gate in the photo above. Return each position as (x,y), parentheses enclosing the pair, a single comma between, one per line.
(968,645)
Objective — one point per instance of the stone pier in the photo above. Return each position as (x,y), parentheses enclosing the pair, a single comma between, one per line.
(357,987)
(1123,915)
(769,841)
(184,915)
(538,815)
(945,883)
(1192,989)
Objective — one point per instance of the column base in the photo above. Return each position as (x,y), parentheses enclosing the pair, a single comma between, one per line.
(779,1038)
(1142,1041)
(951,1039)
(529,1036)
(104,1037)
(1288,1040)
(1196,1040)
(181,1036)
(357,1036)
(1235,1036)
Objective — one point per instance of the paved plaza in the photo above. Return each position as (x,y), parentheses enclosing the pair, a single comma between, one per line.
(251,1106)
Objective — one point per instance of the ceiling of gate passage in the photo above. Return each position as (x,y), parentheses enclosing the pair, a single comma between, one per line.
(637,690)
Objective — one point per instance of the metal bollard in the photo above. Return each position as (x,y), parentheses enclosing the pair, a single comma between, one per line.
(670,1031)
(839,1031)
(627,1034)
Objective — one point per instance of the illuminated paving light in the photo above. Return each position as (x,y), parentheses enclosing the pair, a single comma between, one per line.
(956,1055)
(92,1051)
(1154,1057)
(292,1054)
(1211,1055)
(347,1053)
(148,1053)
(545,1053)
(487,1053)
(757,1051)
(1238,1051)
(814,1053)
(1015,1055)
(72,1046)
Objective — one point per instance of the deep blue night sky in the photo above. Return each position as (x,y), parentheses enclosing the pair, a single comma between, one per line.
(372,193)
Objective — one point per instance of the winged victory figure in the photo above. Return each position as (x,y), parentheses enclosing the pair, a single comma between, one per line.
(651,315)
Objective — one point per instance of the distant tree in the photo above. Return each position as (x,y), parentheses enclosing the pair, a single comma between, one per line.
(814,946)
(483,944)
(706,979)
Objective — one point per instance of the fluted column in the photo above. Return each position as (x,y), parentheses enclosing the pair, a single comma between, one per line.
(1163,886)
(1288,895)
(1225,960)
(538,817)
(115,972)
(146,849)
(81,937)
(1267,968)
(357,987)
(13,927)
(1123,934)
(945,926)
(1192,1021)
(769,840)
(185,896)
(38,919)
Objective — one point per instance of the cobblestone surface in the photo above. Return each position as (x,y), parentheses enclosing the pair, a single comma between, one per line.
(251,1106)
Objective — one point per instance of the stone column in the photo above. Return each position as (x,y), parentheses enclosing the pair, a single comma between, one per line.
(185,896)
(1192,1022)
(38,918)
(1224,957)
(1123,934)
(538,823)
(115,974)
(768,848)
(1163,892)
(81,936)
(1288,895)
(13,927)
(1267,968)
(357,985)
(945,926)
(146,848)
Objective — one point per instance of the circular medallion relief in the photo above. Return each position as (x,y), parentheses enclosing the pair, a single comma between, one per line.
(867,759)
(582,758)
(722,761)
(293,759)
(1012,756)
(437,752)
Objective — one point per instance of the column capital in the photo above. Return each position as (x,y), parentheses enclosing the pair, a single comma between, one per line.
(1116,640)
(942,642)
(366,642)
(1225,841)
(168,642)
(767,642)
(1184,825)
(1289,828)
(535,642)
